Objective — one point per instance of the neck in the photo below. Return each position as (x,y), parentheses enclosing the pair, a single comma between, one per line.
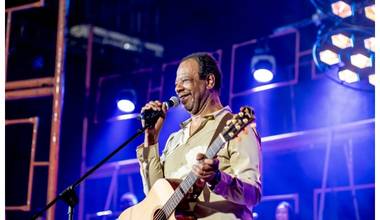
(211,104)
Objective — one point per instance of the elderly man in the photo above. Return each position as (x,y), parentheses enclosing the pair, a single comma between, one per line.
(228,185)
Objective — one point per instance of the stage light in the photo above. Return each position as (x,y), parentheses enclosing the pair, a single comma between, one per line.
(126,105)
(341,9)
(263,68)
(369,44)
(329,57)
(370,12)
(263,75)
(104,213)
(38,63)
(348,76)
(345,45)
(126,101)
(371,79)
(361,61)
(127,46)
(341,41)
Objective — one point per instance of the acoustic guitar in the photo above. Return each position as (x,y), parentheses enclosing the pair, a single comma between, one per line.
(162,200)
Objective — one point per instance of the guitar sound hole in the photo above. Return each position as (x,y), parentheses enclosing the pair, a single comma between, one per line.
(159,215)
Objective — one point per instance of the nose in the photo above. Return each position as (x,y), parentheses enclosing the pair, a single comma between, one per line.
(178,87)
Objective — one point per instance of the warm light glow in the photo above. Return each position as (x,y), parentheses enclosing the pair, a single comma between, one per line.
(348,76)
(369,44)
(361,61)
(370,12)
(329,57)
(371,79)
(341,9)
(341,41)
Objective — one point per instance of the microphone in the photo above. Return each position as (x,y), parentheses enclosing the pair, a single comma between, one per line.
(172,102)
(150,116)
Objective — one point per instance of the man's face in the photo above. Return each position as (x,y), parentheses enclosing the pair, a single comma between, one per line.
(190,89)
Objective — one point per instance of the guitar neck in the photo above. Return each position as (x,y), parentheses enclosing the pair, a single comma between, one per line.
(190,179)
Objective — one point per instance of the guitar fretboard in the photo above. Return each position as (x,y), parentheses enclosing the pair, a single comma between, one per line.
(190,179)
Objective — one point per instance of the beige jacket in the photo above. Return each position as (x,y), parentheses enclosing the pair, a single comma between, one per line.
(239,161)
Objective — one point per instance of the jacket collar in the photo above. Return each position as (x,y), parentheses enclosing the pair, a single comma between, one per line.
(210,116)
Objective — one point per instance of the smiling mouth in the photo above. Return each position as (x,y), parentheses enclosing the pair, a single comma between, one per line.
(183,96)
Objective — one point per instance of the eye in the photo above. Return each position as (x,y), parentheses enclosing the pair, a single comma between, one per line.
(182,81)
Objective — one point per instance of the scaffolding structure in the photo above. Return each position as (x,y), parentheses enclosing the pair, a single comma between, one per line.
(37,88)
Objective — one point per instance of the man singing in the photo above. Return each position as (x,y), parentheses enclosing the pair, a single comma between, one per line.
(230,184)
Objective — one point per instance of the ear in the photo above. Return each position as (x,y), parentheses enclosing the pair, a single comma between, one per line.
(210,80)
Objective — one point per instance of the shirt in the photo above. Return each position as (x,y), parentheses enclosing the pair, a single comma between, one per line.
(239,188)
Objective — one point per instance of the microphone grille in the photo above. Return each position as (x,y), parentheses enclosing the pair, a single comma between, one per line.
(175,101)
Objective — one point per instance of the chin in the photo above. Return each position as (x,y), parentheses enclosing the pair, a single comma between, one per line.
(186,107)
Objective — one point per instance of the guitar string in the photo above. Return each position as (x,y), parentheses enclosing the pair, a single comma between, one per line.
(188,182)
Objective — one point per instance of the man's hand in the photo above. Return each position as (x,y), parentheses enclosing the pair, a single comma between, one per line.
(151,134)
(207,169)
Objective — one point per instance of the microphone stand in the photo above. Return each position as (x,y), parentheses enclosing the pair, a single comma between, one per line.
(69,196)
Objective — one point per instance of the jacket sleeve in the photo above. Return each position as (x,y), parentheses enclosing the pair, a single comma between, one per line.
(242,184)
(151,168)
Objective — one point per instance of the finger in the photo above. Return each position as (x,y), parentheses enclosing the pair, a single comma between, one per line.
(200,156)
(203,174)
(207,174)
(165,107)
(158,105)
(208,161)
(202,171)
(197,171)
(147,107)
(206,168)
(153,105)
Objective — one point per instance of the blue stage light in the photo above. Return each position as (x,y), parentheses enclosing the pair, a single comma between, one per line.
(263,68)
(126,101)
(263,75)
(38,63)
(126,105)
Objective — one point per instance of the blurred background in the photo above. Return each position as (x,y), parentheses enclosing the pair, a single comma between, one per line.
(78,72)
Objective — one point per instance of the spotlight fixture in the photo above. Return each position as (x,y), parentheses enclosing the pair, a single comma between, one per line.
(370,12)
(348,60)
(329,57)
(263,68)
(369,44)
(345,46)
(126,100)
(341,9)
(361,61)
(371,79)
(348,76)
(342,41)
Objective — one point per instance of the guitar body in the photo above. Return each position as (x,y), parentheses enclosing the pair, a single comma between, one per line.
(169,194)
(156,198)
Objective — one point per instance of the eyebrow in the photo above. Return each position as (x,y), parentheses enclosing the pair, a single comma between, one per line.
(182,78)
